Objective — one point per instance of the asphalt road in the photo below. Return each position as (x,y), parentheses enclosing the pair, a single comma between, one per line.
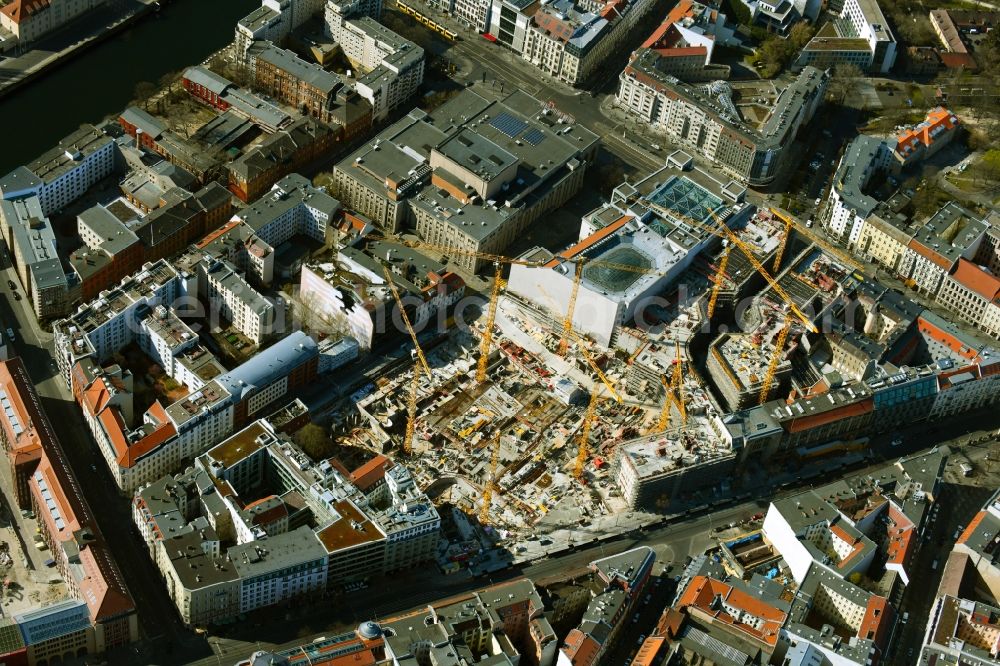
(159,624)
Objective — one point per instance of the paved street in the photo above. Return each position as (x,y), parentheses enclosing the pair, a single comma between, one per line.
(158,620)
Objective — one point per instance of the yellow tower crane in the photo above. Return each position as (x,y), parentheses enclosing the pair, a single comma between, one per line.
(570,307)
(603,377)
(679,383)
(668,392)
(772,366)
(411,405)
(827,247)
(484,511)
(720,278)
(724,231)
(786,235)
(498,285)
(577,279)
(584,451)
(491,315)
(495,292)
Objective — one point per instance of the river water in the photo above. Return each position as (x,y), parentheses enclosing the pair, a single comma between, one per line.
(102,80)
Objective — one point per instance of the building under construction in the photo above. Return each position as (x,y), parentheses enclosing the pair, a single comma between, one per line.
(738,364)
(630,250)
(655,471)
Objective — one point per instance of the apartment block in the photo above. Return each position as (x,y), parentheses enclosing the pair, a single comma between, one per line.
(32,245)
(974,295)
(473,13)
(926,137)
(779,16)
(624,577)
(951,234)
(350,289)
(116,248)
(565,39)
(390,68)
(222,285)
(860,37)
(64,173)
(264,544)
(255,172)
(704,119)
(291,207)
(864,158)
(306,86)
(224,95)
(274,20)
(102,610)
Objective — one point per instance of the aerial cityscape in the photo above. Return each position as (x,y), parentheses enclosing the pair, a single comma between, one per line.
(500,332)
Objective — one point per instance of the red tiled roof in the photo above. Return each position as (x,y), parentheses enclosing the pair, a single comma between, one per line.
(901,537)
(593,238)
(612,7)
(847,411)
(681,10)
(128,454)
(702,591)
(974,278)
(924,132)
(973,526)
(371,472)
(650,650)
(582,649)
(102,587)
(958,61)
(683,51)
(856,543)
(929,254)
(874,624)
(944,378)
(943,337)
(225,228)
(18,10)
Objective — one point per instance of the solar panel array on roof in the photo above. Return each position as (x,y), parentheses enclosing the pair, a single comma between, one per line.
(534,136)
(8,409)
(508,124)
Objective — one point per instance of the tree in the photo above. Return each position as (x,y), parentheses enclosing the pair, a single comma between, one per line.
(168,81)
(314,441)
(842,81)
(738,12)
(989,166)
(144,90)
(800,35)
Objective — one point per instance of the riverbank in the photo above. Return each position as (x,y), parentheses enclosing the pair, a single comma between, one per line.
(24,69)
(101,79)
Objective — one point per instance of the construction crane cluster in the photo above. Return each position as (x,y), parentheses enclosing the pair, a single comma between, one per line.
(772,366)
(583,450)
(411,403)
(673,388)
(491,480)
(673,391)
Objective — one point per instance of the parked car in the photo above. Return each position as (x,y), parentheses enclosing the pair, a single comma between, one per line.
(10,283)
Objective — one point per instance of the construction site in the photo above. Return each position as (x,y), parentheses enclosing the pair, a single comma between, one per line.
(700,349)
(528,423)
